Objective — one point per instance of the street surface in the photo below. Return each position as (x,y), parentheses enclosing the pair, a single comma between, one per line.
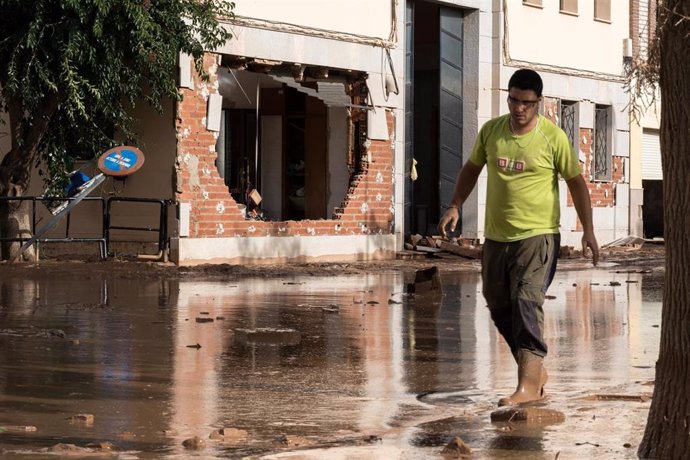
(118,362)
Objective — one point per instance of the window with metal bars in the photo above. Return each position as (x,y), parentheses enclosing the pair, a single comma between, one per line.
(568,122)
(601,145)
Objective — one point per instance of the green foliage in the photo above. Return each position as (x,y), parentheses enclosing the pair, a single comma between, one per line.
(100,58)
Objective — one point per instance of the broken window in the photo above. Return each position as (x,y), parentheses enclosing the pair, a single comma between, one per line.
(286,133)
(236,150)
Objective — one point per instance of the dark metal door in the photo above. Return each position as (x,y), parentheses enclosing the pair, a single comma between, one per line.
(408,208)
(450,103)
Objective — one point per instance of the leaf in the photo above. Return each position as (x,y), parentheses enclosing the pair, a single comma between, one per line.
(99,58)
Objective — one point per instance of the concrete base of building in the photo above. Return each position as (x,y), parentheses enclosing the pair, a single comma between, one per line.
(278,250)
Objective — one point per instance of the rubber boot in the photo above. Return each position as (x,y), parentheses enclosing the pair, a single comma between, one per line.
(531,380)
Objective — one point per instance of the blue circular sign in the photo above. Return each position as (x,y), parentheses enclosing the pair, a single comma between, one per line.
(121,161)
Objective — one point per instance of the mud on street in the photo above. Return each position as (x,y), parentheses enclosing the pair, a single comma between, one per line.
(141,360)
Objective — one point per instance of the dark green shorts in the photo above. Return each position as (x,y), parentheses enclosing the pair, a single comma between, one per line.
(515,278)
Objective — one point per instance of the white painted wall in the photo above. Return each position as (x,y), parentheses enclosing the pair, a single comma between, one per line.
(651,118)
(281,249)
(544,35)
(369,18)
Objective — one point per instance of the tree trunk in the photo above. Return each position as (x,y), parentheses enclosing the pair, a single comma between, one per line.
(667,434)
(15,174)
(15,221)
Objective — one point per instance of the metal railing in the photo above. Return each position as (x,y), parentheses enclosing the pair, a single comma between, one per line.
(162,228)
(100,239)
(103,238)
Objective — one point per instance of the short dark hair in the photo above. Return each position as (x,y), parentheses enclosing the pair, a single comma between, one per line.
(526,79)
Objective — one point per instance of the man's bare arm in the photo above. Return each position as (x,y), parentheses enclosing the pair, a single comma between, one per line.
(467,179)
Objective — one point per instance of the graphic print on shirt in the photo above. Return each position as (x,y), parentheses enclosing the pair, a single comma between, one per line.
(507,164)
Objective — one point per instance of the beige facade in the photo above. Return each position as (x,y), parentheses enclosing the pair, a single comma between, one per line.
(375,84)
(580,58)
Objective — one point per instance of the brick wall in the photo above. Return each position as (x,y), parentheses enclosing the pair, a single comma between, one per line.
(602,194)
(551,110)
(635,26)
(367,208)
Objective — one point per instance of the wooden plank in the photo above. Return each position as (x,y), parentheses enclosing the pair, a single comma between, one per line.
(470,252)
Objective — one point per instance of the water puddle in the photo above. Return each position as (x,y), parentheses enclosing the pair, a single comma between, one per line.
(338,367)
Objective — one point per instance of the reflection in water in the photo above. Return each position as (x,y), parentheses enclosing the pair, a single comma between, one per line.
(157,361)
(347,362)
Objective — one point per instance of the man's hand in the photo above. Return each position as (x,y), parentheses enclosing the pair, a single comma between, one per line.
(451,217)
(589,240)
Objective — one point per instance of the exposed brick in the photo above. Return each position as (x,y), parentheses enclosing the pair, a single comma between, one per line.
(195,143)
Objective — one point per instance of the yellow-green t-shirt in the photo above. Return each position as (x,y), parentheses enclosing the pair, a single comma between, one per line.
(522,197)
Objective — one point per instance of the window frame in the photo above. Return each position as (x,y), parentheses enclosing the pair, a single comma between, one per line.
(575,139)
(599,6)
(569,7)
(605,173)
(533,3)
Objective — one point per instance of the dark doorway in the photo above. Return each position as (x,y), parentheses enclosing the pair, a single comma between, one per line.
(433,111)
(653,209)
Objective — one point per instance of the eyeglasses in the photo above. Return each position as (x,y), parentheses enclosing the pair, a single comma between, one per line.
(519,102)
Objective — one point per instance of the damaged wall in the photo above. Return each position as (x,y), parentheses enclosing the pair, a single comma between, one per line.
(213,213)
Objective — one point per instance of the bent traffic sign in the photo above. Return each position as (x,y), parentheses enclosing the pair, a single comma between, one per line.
(121,161)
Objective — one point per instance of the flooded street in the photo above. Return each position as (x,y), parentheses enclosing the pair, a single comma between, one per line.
(314,367)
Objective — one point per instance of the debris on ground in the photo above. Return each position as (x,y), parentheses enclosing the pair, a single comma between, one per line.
(648,258)
(435,244)
(85,419)
(456,448)
(194,443)
(17,428)
(619,397)
(530,415)
(292,441)
(631,241)
(565,252)
(229,435)
(67,449)
(104,445)
(468,251)
(426,280)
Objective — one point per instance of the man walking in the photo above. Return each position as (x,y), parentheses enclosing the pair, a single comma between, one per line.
(524,153)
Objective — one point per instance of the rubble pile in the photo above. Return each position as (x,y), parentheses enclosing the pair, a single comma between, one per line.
(442,247)
(439,245)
